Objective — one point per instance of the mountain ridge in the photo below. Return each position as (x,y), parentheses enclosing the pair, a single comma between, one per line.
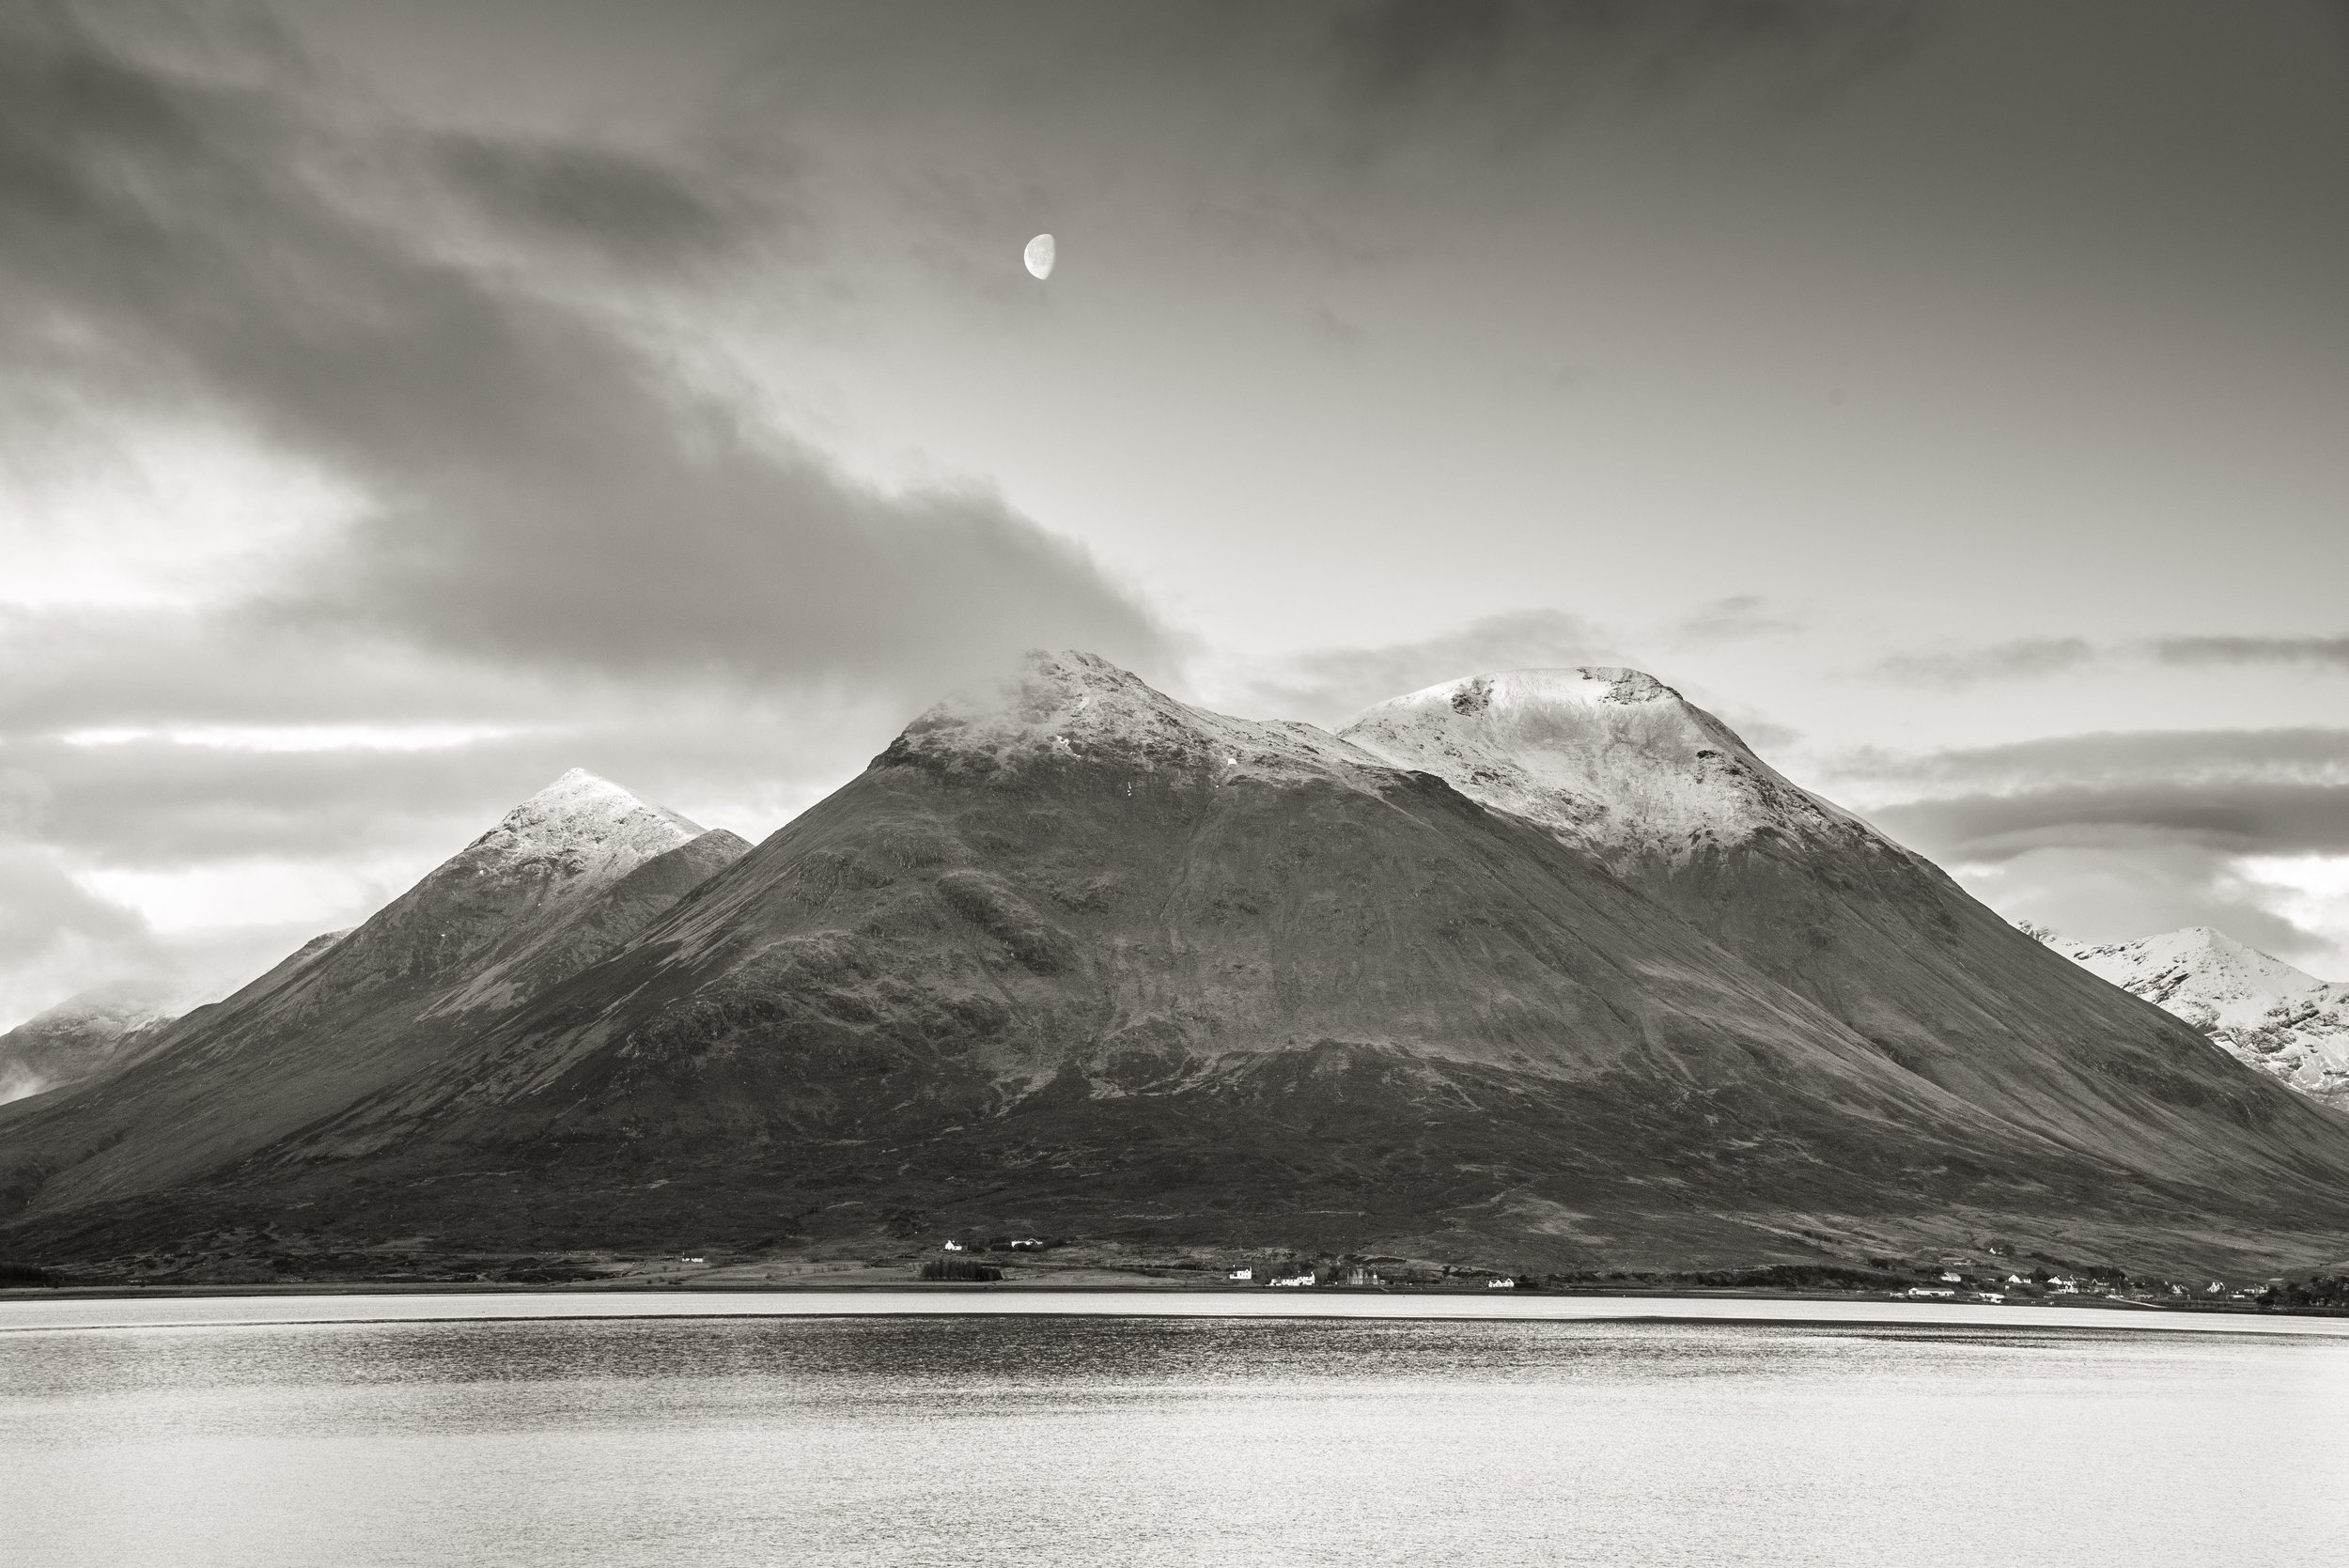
(1072,957)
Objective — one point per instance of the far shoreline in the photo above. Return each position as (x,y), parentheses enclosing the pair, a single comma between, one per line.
(215,1306)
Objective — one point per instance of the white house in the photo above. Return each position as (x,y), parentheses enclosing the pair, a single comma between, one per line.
(1291,1280)
(1242,1274)
(953,1246)
(1921,1293)
(2064,1284)
(1503,1283)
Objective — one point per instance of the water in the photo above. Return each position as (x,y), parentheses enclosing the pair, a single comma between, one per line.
(362,1431)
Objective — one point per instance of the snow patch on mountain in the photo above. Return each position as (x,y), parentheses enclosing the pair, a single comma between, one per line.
(1075,705)
(1609,759)
(2256,1007)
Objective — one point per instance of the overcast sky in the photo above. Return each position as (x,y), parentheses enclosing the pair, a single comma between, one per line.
(400,404)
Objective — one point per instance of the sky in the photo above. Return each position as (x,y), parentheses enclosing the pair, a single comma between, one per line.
(402,404)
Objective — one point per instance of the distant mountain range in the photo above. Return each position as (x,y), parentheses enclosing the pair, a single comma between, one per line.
(1544,968)
(2261,1010)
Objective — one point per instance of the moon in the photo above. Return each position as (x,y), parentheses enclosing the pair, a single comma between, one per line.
(1038,256)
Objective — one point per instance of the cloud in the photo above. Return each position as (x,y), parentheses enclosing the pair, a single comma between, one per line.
(2319,652)
(2243,792)
(1739,616)
(2032,658)
(2236,817)
(2024,659)
(58,936)
(2135,887)
(544,490)
(637,210)
(1328,686)
(2108,836)
(1520,64)
(2305,754)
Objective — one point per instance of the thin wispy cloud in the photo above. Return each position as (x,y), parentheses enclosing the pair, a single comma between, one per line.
(1741,616)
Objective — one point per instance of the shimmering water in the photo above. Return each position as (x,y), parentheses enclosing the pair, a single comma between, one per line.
(1054,1439)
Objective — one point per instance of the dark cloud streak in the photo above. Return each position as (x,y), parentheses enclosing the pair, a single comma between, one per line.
(1518,65)
(2331,652)
(2032,658)
(633,209)
(2234,816)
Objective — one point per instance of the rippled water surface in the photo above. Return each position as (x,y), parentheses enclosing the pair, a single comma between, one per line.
(1049,1440)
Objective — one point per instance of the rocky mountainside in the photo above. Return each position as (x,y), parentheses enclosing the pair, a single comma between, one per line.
(1072,957)
(2261,1010)
(562,879)
(1617,763)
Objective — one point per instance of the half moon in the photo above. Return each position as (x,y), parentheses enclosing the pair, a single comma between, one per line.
(1038,256)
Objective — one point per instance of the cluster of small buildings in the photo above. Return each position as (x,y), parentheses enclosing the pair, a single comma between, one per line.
(1020,1244)
(1953,1284)
(1359,1276)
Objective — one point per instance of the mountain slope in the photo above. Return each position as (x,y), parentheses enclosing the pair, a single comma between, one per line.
(560,881)
(2261,1010)
(1616,762)
(1070,956)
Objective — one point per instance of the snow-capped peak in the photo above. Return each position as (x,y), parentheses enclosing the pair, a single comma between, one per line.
(2280,1019)
(1607,757)
(580,828)
(581,809)
(1073,706)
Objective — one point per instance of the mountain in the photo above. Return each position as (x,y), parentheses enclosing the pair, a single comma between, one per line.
(1615,762)
(562,879)
(81,1038)
(1072,957)
(2261,1010)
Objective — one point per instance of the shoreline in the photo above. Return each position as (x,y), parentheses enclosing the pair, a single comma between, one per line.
(40,1310)
(1142,1285)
